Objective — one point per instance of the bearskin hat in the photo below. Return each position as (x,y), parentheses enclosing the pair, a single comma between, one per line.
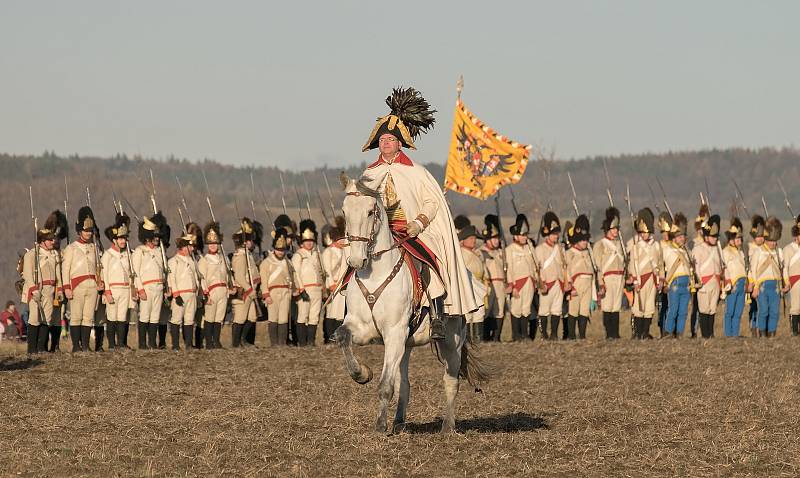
(569,229)
(120,228)
(702,216)
(245,233)
(758,226)
(55,227)
(409,116)
(491,226)
(194,229)
(464,227)
(644,220)
(155,227)
(338,228)
(774,229)
(581,230)
(212,234)
(679,226)
(796,227)
(711,226)
(258,234)
(550,224)
(736,230)
(664,221)
(520,226)
(612,219)
(280,239)
(461,221)
(307,231)
(86,220)
(285,222)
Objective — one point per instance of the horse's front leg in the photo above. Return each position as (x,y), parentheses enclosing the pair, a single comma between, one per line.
(401,382)
(450,349)
(394,341)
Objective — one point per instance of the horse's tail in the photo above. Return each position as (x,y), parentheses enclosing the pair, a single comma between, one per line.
(473,368)
(359,372)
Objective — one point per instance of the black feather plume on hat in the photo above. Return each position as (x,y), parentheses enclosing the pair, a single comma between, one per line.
(412,109)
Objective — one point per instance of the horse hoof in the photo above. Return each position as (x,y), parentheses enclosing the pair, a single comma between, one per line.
(380,428)
(448,427)
(398,427)
(363,378)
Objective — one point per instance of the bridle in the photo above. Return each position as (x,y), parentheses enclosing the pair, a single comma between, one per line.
(370,239)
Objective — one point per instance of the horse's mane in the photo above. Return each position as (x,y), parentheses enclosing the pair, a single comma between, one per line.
(367,191)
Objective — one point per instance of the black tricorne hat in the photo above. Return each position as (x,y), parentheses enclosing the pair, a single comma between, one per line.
(409,116)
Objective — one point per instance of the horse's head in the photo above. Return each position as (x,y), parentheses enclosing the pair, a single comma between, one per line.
(360,209)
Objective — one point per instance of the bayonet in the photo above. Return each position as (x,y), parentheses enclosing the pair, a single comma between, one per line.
(741,197)
(764,204)
(183,200)
(228,270)
(786,200)
(330,196)
(283,193)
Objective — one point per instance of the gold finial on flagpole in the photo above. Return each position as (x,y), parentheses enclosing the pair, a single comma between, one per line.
(460,85)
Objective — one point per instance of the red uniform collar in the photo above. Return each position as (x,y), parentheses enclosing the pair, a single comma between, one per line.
(400,159)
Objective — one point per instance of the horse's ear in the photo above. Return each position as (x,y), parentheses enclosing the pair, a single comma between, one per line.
(344,180)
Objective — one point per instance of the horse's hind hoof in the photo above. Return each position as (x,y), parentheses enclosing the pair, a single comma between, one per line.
(398,427)
(448,427)
(363,378)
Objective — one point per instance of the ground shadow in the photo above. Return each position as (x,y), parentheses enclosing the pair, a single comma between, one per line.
(10,364)
(509,423)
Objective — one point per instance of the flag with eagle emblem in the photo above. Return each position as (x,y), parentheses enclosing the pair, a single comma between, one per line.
(480,160)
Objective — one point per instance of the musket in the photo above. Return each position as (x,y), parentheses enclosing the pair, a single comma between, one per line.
(300,204)
(247,258)
(764,203)
(330,196)
(619,229)
(741,197)
(316,244)
(537,268)
(653,197)
(253,195)
(635,242)
(66,202)
(786,200)
(502,235)
(595,270)
(63,308)
(130,206)
(308,197)
(666,203)
(228,270)
(193,254)
(692,266)
(131,272)
(98,246)
(283,193)
(160,242)
(322,208)
(718,247)
(183,201)
(37,272)
(266,206)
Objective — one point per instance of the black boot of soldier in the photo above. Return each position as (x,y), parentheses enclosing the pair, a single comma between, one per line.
(311,335)
(175,336)
(533,326)
(302,335)
(571,326)
(272,332)
(615,325)
(86,334)
(122,335)
(162,336)
(554,320)
(498,331)
(208,336)
(44,334)
(795,325)
(514,328)
(582,322)
(328,328)
(33,339)
(247,328)
(437,319)
(112,335)
(141,332)
(188,336)
(99,332)
(607,324)
(75,336)
(646,323)
(283,335)
(236,335)
(55,337)
(152,336)
(198,336)
(217,332)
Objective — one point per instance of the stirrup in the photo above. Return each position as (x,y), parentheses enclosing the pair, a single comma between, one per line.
(437,328)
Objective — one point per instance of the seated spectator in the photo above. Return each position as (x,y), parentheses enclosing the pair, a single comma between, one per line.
(11,321)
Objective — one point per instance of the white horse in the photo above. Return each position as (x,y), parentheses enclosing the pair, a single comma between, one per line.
(381,306)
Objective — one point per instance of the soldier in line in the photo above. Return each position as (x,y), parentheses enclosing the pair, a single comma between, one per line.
(214,282)
(567,245)
(735,278)
(57,319)
(149,269)
(197,253)
(645,273)
(708,265)
(521,276)
(702,217)
(116,278)
(285,222)
(495,267)
(758,229)
(183,284)
(245,279)
(580,278)
(82,284)
(678,280)
(308,279)
(611,267)
(334,262)
(277,287)
(467,238)
(791,275)
(766,276)
(664,226)
(552,271)
(39,286)
(258,237)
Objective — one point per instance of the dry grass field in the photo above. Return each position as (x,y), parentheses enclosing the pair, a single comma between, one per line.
(722,407)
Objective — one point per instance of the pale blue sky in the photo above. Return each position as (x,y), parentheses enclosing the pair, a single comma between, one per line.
(298,84)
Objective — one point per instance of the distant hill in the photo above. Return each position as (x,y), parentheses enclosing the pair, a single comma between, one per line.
(683,175)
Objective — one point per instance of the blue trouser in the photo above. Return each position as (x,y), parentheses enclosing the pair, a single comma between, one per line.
(734,305)
(678,297)
(769,301)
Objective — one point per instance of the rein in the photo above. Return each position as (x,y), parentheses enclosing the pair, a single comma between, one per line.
(370,239)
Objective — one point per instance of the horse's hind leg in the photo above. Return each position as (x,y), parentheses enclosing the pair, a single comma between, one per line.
(401,382)
(394,348)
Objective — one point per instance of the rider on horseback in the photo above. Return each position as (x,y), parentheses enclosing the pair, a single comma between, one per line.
(417,210)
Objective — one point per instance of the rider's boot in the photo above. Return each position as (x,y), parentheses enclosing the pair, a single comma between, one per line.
(437,319)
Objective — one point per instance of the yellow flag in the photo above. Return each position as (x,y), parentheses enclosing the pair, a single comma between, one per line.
(481,161)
